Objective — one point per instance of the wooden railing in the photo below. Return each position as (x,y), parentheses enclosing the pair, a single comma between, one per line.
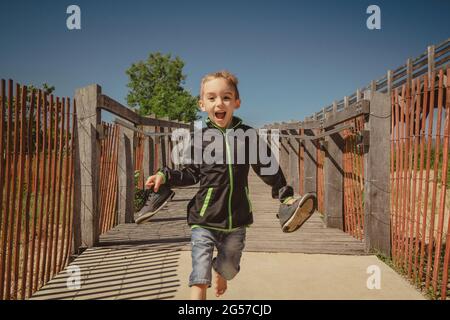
(385,173)
(37,146)
(66,178)
(130,149)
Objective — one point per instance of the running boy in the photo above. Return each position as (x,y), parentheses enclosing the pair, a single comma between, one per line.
(220,211)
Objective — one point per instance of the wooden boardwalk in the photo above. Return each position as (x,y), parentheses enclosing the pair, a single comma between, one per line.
(169,227)
(150,261)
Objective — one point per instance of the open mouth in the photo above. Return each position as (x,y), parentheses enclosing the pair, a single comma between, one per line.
(220,115)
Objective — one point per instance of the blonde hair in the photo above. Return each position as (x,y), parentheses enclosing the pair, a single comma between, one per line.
(231,79)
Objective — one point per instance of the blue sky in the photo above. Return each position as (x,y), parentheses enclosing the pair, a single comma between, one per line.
(292,57)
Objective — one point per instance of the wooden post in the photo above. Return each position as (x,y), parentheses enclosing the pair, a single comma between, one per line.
(294,150)
(430,61)
(125,172)
(148,161)
(284,155)
(377,187)
(334,181)
(390,80)
(310,166)
(87,164)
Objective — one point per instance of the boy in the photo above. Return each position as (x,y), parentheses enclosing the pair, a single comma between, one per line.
(221,210)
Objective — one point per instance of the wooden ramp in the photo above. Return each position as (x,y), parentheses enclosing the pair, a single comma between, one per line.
(169,227)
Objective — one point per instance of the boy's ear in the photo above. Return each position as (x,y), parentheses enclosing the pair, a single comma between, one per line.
(200,105)
(238,104)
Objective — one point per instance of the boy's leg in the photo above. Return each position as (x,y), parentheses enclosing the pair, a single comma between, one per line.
(202,243)
(198,291)
(227,263)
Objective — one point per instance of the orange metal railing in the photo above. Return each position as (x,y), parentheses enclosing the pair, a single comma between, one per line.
(353,166)
(36,188)
(419,181)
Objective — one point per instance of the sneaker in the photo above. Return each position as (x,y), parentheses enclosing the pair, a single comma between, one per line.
(293,216)
(155,201)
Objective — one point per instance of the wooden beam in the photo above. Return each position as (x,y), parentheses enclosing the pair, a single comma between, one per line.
(122,111)
(377,187)
(87,160)
(118,109)
(125,172)
(355,110)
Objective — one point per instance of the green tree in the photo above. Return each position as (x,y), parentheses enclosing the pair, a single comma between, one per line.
(156,88)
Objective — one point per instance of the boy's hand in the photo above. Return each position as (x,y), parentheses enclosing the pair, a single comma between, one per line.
(154,181)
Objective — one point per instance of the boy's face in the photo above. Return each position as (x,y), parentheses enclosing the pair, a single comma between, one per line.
(219,101)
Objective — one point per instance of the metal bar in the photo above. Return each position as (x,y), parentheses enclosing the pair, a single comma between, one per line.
(2,181)
(37,171)
(444,185)
(48,188)
(109,178)
(427,174)
(408,162)
(401,102)
(414,219)
(51,224)
(415,215)
(42,188)
(19,205)
(359,124)
(392,173)
(410,108)
(66,180)
(9,270)
(420,236)
(43,169)
(4,292)
(112,186)
(68,239)
(444,283)
(59,186)
(434,191)
(105,159)
(29,166)
(436,178)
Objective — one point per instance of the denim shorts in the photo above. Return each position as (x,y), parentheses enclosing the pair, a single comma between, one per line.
(229,251)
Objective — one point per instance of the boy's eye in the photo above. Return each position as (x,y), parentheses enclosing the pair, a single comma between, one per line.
(211,99)
(227,98)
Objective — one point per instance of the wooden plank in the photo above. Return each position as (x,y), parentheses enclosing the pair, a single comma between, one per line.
(169,228)
(110,105)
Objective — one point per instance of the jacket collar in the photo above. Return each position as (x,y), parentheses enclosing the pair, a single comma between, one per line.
(235,121)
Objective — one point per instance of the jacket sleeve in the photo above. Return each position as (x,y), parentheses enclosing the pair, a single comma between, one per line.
(186,176)
(275,178)
(189,172)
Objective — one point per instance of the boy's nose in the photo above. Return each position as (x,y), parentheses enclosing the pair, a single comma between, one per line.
(219,102)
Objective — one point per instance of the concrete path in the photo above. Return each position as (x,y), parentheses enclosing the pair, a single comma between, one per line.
(147,272)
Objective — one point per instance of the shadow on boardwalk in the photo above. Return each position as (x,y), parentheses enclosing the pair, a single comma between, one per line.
(143,261)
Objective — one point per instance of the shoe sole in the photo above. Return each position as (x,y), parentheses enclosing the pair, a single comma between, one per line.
(301,215)
(148,215)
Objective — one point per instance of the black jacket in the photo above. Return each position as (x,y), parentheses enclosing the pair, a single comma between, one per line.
(223,201)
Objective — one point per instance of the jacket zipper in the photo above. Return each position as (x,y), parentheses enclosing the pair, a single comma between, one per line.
(230,171)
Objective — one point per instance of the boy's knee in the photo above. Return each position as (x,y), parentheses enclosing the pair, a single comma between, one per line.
(228,269)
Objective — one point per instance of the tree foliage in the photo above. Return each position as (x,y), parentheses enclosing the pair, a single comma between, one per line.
(156,88)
